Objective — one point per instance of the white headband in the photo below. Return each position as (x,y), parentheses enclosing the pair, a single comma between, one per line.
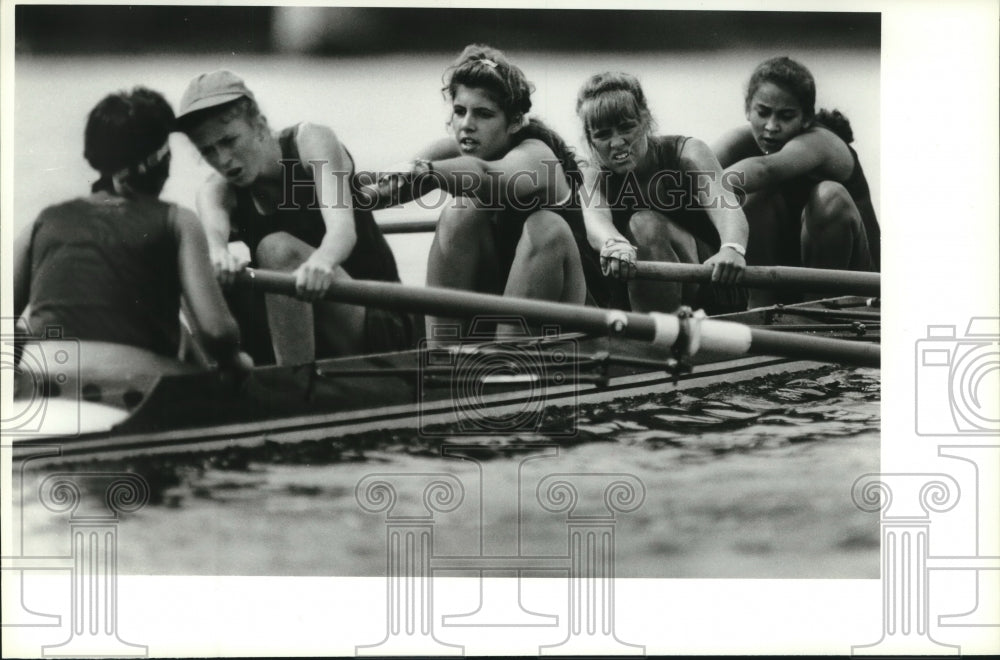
(148,163)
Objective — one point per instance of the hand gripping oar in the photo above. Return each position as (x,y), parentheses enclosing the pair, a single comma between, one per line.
(811,280)
(723,337)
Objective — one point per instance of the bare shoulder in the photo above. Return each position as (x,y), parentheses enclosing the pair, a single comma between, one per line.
(820,137)
(319,142)
(697,154)
(308,132)
(835,155)
(735,145)
(533,148)
(834,141)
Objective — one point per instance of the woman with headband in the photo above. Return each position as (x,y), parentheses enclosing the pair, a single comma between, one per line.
(512,179)
(113,267)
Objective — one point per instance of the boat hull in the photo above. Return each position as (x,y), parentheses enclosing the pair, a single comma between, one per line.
(486,389)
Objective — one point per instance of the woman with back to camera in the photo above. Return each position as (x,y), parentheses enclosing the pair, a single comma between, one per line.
(807,198)
(268,192)
(656,198)
(113,267)
(512,179)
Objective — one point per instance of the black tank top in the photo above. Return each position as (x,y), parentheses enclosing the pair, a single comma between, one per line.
(857,186)
(673,194)
(300,216)
(104,268)
(797,192)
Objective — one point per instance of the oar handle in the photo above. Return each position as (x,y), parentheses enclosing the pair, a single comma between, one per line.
(727,337)
(811,280)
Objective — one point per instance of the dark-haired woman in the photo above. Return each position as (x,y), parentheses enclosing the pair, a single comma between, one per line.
(655,198)
(512,179)
(289,196)
(113,267)
(808,201)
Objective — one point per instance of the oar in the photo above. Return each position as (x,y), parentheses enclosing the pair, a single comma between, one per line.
(812,280)
(408,226)
(724,337)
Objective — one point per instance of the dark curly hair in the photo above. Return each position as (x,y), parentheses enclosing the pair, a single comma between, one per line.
(798,81)
(487,68)
(123,131)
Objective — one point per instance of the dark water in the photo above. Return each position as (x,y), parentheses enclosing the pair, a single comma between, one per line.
(750,480)
(738,480)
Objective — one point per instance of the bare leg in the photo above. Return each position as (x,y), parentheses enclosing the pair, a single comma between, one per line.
(462,256)
(766,213)
(833,235)
(546,264)
(339,328)
(294,323)
(659,239)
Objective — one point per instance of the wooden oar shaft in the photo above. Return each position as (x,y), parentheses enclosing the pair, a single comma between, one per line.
(408,227)
(715,334)
(457,303)
(811,280)
(821,349)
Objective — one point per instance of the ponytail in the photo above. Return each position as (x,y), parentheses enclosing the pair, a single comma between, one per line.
(836,122)
(536,129)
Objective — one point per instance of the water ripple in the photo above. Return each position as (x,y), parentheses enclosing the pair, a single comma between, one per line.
(766,413)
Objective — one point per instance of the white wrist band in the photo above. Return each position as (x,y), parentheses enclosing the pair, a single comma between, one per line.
(739,249)
(616,240)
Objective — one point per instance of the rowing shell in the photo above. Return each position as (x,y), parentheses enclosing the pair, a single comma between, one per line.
(481,389)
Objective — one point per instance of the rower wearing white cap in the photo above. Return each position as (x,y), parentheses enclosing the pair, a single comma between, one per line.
(289,195)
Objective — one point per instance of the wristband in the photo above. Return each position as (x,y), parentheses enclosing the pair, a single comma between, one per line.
(618,239)
(422,166)
(737,248)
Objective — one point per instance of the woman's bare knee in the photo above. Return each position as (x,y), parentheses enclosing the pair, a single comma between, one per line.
(649,228)
(461,225)
(282,251)
(548,232)
(660,239)
(830,206)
